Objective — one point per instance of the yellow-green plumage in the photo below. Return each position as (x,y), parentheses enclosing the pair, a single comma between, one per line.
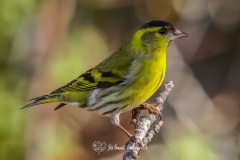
(125,79)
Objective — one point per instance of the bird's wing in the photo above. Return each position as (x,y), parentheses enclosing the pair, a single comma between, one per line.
(112,71)
(92,79)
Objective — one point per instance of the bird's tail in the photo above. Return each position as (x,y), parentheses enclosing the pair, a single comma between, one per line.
(43,99)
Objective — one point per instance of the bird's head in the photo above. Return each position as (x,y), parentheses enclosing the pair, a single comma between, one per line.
(155,34)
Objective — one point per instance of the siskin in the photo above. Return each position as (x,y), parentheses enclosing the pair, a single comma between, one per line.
(125,79)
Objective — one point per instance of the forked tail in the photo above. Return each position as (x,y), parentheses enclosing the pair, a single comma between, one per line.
(43,99)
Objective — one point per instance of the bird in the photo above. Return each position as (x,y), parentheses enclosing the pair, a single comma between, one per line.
(125,79)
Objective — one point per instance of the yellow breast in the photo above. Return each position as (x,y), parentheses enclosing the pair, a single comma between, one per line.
(150,76)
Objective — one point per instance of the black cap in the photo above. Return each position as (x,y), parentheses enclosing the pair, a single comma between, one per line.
(155,23)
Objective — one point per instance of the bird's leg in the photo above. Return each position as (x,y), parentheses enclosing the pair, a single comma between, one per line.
(151,109)
(125,131)
(116,121)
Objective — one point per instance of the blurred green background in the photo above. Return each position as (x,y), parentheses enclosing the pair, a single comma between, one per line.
(46,43)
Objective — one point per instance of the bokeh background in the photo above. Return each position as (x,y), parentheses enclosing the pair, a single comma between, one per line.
(46,43)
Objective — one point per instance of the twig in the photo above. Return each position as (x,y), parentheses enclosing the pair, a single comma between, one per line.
(143,124)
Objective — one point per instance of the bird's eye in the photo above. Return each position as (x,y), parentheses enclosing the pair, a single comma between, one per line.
(162,31)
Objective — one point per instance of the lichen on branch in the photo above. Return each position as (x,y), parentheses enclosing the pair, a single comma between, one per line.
(143,133)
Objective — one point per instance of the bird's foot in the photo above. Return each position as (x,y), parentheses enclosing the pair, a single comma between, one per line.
(152,109)
(144,106)
(133,140)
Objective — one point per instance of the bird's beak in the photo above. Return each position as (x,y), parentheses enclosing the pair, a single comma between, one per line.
(175,34)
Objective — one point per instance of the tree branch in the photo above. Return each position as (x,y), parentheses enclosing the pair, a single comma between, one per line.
(142,125)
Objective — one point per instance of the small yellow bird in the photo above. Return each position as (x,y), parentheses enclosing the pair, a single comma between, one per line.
(125,79)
